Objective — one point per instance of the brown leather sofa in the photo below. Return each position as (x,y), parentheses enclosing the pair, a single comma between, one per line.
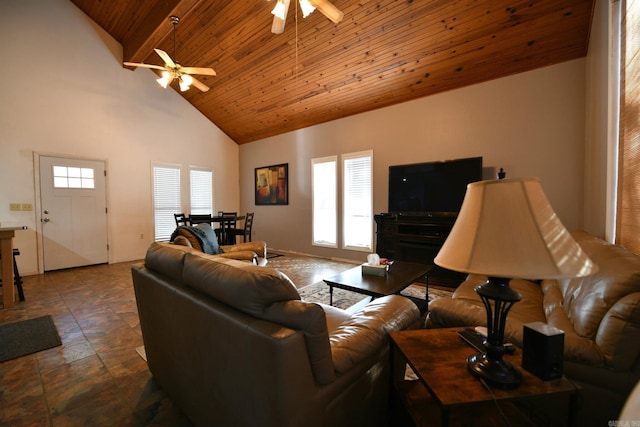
(234,345)
(599,314)
(203,238)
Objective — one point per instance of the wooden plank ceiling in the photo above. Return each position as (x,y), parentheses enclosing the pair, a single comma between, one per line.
(384,52)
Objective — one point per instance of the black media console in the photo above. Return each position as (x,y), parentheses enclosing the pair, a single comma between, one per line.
(416,239)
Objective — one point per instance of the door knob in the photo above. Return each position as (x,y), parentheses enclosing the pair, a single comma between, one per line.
(45,219)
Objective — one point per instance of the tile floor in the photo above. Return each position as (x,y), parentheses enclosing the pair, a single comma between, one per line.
(96,378)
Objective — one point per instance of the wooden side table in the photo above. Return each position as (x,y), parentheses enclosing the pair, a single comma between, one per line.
(6,252)
(439,359)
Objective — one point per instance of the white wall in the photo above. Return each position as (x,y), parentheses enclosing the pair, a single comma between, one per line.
(598,162)
(64,92)
(531,124)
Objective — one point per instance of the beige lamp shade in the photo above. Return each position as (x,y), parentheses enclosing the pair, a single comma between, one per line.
(507,228)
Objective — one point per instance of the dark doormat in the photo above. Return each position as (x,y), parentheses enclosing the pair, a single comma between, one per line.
(28,336)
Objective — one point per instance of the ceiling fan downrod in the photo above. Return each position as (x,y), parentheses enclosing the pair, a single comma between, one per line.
(174,21)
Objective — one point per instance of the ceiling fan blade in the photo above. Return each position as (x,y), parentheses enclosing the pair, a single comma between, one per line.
(197,83)
(136,64)
(198,70)
(166,58)
(328,10)
(279,16)
(277,27)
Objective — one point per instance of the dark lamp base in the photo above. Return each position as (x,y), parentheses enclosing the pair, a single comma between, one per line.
(498,373)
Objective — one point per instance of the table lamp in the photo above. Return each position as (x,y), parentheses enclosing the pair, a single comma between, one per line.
(507,229)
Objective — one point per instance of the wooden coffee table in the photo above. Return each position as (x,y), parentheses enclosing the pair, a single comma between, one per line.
(400,275)
(448,391)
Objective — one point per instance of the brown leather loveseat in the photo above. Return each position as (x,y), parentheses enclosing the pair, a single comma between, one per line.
(234,345)
(203,238)
(599,314)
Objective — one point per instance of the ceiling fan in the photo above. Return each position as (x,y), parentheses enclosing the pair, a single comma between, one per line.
(307,6)
(173,70)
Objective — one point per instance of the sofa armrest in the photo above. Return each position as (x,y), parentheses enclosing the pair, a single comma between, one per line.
(366,331)
(249,256)
(259,247)
(618,332)
(451,313)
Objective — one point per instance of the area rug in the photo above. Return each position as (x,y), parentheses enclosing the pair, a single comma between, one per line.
(271,255)
(319,292)
(28,336)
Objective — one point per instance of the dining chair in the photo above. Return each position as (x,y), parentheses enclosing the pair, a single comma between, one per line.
(227,230)
(248,226)
(181,219)
(200,219)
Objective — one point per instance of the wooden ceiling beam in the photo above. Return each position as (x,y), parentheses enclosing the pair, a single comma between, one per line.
(155,28)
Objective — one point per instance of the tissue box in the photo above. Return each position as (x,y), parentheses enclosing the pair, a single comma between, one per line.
(374,270)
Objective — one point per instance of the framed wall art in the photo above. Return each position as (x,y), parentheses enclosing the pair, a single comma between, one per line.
(272,185)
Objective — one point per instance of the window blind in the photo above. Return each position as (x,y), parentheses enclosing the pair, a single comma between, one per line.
(358,201)
(166,200)
(201,187)
(628,209)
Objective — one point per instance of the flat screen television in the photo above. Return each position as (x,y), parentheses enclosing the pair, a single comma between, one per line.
(433,188)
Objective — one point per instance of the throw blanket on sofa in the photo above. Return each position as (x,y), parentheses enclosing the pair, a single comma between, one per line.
(203,233)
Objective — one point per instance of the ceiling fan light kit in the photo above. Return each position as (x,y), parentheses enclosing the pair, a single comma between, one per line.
(281,8)
(174,71)
(307,6)
(185,82)
(165,79)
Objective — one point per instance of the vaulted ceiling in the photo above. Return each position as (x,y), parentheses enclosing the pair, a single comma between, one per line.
(383,52)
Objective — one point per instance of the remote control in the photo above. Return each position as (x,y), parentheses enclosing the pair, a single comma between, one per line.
(476,339)
(473,338)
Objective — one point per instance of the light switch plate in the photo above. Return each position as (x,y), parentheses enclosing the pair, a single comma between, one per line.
(14,206)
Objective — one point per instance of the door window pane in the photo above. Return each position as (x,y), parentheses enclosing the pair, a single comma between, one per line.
(73,177)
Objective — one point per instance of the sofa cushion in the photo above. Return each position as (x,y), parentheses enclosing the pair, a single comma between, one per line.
(586,300)
(466,308)
(165,261)
(243,286)
(529,309)
(576,347)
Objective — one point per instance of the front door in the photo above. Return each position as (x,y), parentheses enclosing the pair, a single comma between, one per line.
(73,212)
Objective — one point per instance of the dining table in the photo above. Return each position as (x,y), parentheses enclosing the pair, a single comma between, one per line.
(227,236)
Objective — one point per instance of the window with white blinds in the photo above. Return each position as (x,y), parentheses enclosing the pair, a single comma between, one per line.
(628,209)
(201,187)
(325,200)
(357,201)
(166,199)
